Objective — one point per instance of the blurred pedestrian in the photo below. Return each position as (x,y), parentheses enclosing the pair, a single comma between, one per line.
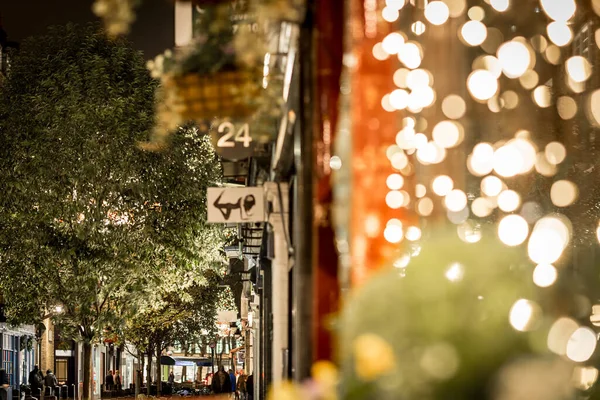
(250,387)
(50,382)
(241,386)
(109,381)
(36,380)
(118,380)
(221,382)
(233,384)
(171,379)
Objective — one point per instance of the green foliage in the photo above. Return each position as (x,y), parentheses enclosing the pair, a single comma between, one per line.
(441,336)
(88,221)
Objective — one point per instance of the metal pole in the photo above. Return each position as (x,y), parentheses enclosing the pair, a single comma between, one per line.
(302,302)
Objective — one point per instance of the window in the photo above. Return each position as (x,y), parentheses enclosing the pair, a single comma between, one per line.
(61,370)
(8,355)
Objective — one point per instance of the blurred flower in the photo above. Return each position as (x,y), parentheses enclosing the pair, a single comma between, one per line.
(374,356)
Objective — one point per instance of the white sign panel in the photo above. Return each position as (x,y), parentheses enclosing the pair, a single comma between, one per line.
(236,205)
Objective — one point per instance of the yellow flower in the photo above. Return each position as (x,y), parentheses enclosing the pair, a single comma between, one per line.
(373,356)
(325,373)
(284,391)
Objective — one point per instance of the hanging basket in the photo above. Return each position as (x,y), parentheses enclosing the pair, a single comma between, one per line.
(221,94)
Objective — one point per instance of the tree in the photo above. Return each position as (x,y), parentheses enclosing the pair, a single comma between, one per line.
(180,317)
(89,221)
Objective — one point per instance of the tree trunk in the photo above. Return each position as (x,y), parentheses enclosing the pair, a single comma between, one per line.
(158,370)
(87,370)
(149,369)
(137,380)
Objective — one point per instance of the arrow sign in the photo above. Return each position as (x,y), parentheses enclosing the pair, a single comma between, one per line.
(236,205)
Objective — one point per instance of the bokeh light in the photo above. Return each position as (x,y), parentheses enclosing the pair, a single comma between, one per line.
(425,206)
(523,315)
(555,153)
(491,185)
(455,200)
(509,200)
(437,12)
(559,33)
(566,107)
(544,275)
(581,344)
(481,207)
(559,335)
(500,5)
(563,193)
(410,55)
(454,107)
(559,10)
(473,33)
(455,272)
(442,185)
(482,85)
(393,233)
(513,230)
(413,233)
(392,43)
(395,181)
(579,68)
(394,199)
(447,134)
(514,58)
(549,238)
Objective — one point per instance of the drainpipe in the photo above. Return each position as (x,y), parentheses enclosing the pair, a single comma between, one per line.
(277,196)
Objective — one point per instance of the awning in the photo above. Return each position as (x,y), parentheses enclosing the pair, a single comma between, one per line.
(185,361)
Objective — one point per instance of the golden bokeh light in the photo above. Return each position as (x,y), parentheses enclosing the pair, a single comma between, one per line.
(581,344)
(442,185)
(473,33)
(552,54)
(493,40)
(482,85)
(542,96)
(539,43)
(394,181)
(549,238)
(405,138)
(560,333)
(563,193)
(437,12)
(455,272)
(500,5)
(454,107)
(412,234)
(523,315)
(514,58)
(400,77)
(386,104)
(379,53)
(481,207)
(593,108)
(584,378)
(393,233)
(491,186)
(418,78)
(456,7)
(489,63)
(420,190)
(566,107)
(509,200)
(447,134)
(390,14)
(410,55)
(529,79)
(425,206)
(392,43)
(579,68)
(455,200)
(513,230)
(544,275)
(399,99)
(510,99)
(555,152)
(418,28)
(394,199)
(399,161)
(559,10)
(469,231)
(559,33)
(476,13)
(396,4)
(543,167)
